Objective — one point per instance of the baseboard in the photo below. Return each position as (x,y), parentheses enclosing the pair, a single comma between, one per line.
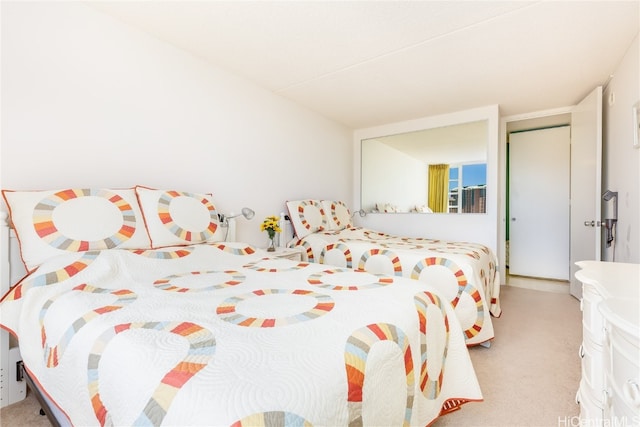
(536,284)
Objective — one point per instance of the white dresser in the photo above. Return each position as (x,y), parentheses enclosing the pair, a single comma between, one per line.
(609,393)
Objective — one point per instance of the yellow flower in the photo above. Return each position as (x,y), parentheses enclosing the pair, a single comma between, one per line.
(271,226)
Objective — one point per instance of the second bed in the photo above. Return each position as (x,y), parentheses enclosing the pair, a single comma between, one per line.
(465,272)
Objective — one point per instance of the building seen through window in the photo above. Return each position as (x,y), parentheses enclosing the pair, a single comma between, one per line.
(468,188)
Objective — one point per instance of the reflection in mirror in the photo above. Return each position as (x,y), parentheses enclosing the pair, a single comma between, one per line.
(439,170)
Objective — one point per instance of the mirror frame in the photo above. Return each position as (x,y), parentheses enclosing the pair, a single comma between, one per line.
(480,228)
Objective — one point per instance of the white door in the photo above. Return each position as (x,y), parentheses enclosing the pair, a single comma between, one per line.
(539,162)
(586,183)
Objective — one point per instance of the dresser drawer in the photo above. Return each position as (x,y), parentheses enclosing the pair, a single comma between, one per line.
(624,372)
(592,372)
(590,407)
(592,322)
(618,413)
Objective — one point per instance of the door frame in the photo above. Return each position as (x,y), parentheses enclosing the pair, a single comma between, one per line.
(502,176)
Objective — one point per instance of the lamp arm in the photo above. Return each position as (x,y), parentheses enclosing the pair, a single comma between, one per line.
(228,222)
(361,212)
(230,235)
(246,212)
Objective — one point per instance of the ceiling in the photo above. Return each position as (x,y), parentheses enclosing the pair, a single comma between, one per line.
(368,63)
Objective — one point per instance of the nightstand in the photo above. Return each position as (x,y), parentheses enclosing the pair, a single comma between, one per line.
(294,254)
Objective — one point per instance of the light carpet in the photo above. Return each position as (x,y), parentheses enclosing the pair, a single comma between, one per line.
(530,374)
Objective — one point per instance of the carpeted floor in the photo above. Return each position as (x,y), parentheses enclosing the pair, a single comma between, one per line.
(529,376)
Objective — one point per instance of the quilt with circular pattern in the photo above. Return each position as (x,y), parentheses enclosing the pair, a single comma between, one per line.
(466,273)
(220,334)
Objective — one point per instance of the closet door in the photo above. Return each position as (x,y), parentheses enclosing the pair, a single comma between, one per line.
(539,170)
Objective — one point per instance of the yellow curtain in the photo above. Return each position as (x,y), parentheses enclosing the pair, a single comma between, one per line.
(438,187)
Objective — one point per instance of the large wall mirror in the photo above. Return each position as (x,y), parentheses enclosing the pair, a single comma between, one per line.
(436,170)
(481,227)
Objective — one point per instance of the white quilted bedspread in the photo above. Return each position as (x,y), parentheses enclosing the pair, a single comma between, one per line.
(221,335)
(465,273)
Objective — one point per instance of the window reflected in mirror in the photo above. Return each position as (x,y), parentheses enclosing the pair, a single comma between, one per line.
(439,170)
(468,188)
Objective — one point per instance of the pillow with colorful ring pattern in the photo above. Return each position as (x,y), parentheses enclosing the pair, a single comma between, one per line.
(337,213)
(307,216)
(53,222)
(178,218)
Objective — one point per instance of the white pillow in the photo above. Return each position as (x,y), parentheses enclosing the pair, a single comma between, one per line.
(337,213)
(423,209)
(176,218)
(386,207)
(53,222)
(307,216)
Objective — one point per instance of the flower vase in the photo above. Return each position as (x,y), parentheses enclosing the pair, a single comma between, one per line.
(272,245)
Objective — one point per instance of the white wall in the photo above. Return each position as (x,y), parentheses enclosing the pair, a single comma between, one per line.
(89,101)
(621,161)
(392,172)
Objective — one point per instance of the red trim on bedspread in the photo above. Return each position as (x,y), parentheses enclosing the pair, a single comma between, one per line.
(495,301)
(46,394)
(451,405)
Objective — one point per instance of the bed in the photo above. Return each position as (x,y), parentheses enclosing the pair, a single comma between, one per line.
(135,311)
(465,273)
